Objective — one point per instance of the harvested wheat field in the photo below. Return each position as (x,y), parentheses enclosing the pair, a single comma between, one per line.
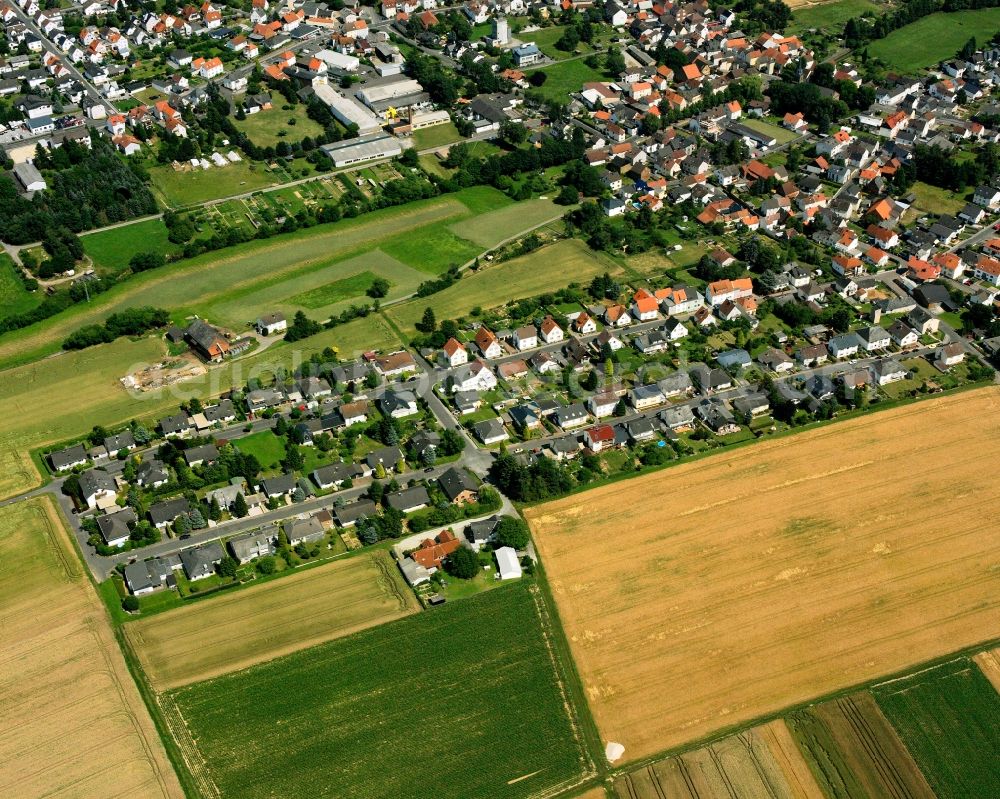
(74,724)
(230,632)
(715,592)
(763,761)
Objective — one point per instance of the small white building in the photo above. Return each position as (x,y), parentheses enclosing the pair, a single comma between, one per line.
(507,563)
(271,323)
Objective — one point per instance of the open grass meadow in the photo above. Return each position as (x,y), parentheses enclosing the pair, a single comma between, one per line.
(14,297)
(934,38)
(565,77)
(233,286)
(436,136)
(265,446)
(936,200)
(463,701)
(783,135)
(830,16)
(111,250)
(949,719)
(544,270)
(267,128)
(490,228)
(178,189)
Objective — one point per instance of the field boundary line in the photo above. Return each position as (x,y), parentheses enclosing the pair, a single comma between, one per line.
(965,653)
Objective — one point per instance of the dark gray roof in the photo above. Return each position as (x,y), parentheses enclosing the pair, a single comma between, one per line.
(200,561)
(168,510)
(454,481)
(276,486)
(96,480)
(348,514)
(65,458)
(206,452)
(116,525)
(219,413)
(408,498)
(175,424)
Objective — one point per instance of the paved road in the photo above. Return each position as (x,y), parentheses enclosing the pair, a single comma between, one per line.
(50,46)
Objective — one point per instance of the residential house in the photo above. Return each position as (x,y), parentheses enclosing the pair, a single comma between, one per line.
(458,486)
(399,403)
(116,528)
(249,546)
(200,562)
(163,514)
(98,489)
(454,353)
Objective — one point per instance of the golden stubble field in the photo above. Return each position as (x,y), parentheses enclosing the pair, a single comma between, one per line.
(710,594)
(73,723)
(236,630)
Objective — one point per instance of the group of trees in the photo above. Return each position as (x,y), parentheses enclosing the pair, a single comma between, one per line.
(937,167)
(130,322)
(87,188)
(788,97)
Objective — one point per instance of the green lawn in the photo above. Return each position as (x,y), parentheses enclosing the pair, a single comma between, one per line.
(546,39)
(179,189)
(265,446)
(949,719)
(546,269)
(264,127)
(830,16)
(14,297)
(783,135)
(436,136)
(111,250)
(461,701)
(934,38)
(566,77)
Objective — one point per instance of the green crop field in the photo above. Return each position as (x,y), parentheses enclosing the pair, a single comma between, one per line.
(565,77)
(934,38)
(264,127)
(111,250)
(14,297)
(492,227)
(830,16)
(949,719)
(464,701)
(543,270)
(265,446)
(436,136)
(178,189)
